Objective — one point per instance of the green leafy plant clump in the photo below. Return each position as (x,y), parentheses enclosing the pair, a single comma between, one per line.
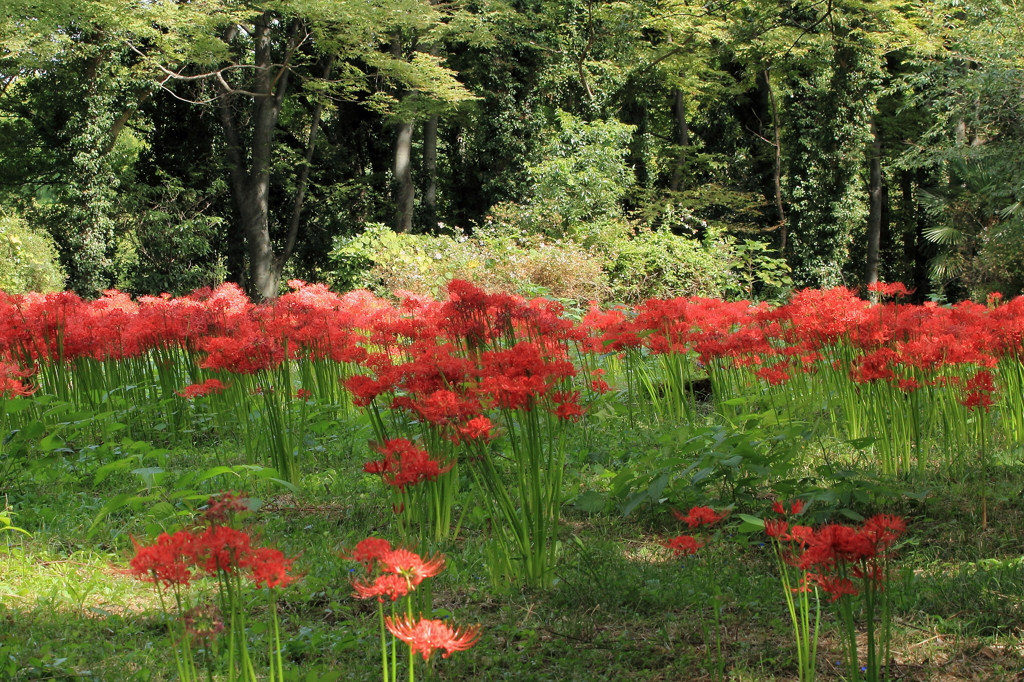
(28,258)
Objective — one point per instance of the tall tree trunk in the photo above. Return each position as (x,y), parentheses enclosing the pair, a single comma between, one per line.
(405,192)
(250,180)
(777,165)
(683,131)
(875,205)
(430,166)
(915,245)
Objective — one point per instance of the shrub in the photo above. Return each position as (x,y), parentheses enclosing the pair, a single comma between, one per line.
(385,261)
(661,264)
(28,259)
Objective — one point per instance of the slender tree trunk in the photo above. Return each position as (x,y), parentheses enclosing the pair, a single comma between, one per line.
(405,192)
(683,131)
(430,162)
(300,190)
(777,166)
(875,205)
(917,245)
(430,166)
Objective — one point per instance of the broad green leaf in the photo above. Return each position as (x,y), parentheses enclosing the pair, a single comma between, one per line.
(591,501)
(752,520)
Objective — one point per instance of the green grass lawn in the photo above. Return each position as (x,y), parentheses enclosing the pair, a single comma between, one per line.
(623,608)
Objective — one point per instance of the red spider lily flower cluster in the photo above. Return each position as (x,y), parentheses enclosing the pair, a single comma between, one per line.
(392,572)
(11,383)
(499,351)
(780,529)
(426,636)
(979,390)
(893,290)
(684,545)
(221,509)
(839,554)
(198,390)
(405,465)
(221,323)
(477,428)
(699,516)
(445,365)
(172,559)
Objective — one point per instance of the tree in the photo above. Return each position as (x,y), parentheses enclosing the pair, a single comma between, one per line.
(247,59)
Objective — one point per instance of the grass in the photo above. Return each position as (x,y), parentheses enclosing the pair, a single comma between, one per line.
(622,610)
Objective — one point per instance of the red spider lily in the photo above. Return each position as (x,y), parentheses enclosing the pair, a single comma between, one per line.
(801,535)
(426,636)
(874,366)
(477,428)
(683,545)
(699,516)
(369,551)
(442,407)
(908,385)
(221,508)
(568,411)
(10,381)
(221,549)
(166,561)
(411,566)
(833,546)
(795,507)
(775,528)
(894,289)
(977,399)
(247,352)
(268,567)
(387,585)
(982,381)
(837,544)
(775,374)
(836,587)
(404,464)
(885,530)
(979,390)
(206,388)
(364,389)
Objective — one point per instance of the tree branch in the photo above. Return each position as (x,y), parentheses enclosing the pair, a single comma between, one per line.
(115,129)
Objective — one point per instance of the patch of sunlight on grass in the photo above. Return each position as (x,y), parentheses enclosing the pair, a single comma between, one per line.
(81,582)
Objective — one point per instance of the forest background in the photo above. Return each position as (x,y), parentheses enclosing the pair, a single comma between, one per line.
(584,149)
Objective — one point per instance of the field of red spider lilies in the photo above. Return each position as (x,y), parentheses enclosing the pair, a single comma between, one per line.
(479,412)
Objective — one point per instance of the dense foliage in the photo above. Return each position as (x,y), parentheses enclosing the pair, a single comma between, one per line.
(165,146)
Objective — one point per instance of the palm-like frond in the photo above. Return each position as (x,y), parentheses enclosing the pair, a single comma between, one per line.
(946,235)
(945,267)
